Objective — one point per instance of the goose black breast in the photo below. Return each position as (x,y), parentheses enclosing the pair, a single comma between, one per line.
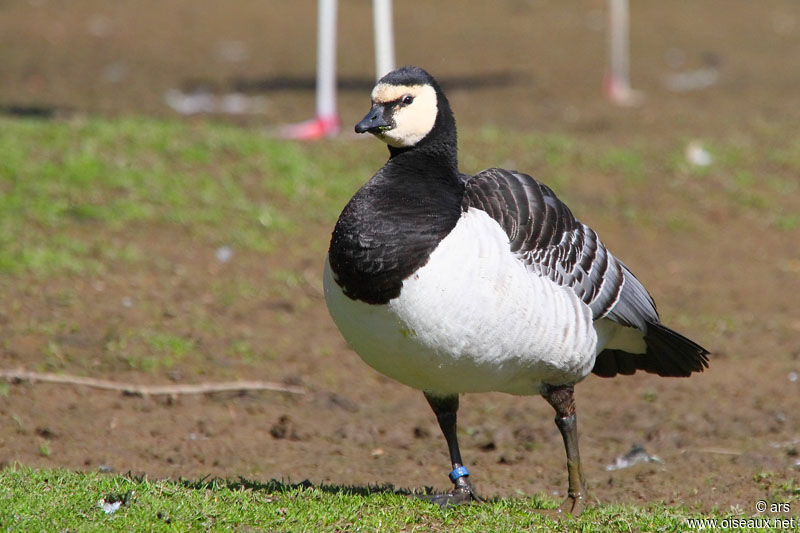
(390,227)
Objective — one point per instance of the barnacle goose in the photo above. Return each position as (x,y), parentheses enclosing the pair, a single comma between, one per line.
(452,283)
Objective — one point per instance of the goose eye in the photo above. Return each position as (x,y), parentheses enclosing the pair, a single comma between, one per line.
(407,99)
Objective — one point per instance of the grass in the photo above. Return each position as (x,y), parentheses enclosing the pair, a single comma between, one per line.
(58,500)
(61,181)
(162,351)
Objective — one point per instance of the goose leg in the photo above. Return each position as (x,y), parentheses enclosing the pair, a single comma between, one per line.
(561,398)
(445,408)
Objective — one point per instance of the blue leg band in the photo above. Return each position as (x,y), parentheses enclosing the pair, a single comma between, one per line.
(459,472)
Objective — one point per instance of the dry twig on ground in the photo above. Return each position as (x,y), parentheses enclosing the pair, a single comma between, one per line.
(146,390)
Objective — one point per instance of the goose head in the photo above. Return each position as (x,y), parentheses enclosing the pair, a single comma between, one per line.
(408,107)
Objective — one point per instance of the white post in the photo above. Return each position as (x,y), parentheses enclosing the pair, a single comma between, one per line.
(618,42)
(326,58)
(384,37)
(618,80)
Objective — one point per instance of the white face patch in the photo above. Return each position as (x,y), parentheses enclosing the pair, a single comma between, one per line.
(412,121)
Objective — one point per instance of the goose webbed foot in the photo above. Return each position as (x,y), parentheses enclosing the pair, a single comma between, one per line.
(572,505)
(463,492)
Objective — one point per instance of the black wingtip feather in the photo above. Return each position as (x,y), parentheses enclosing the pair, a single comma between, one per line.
(669,354)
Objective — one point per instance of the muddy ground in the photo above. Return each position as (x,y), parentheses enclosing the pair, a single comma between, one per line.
(726,438)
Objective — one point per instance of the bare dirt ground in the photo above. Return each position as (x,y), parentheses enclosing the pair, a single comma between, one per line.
(727,437)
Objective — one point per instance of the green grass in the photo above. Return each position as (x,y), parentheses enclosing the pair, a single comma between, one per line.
(58,500)
(63,181)
(163,351)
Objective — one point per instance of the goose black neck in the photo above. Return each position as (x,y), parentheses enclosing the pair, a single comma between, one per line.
(434,151)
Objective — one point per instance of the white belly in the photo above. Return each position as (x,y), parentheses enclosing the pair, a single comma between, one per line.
(473,319)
